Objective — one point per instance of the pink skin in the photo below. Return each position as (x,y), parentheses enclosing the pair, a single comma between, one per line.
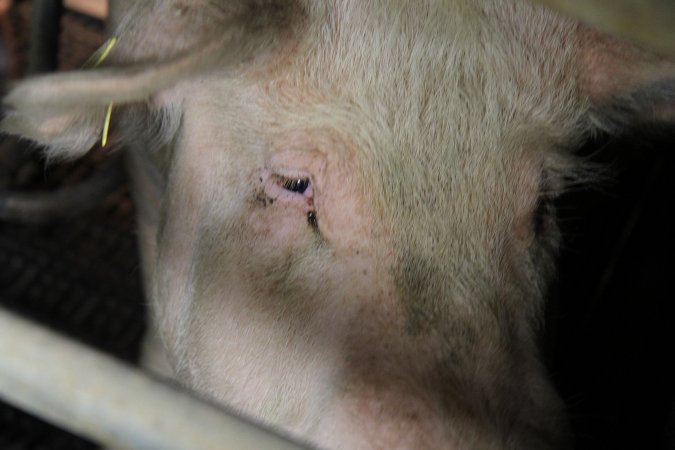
(245,332)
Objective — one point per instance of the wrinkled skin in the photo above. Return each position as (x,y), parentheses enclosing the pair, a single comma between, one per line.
(349,236)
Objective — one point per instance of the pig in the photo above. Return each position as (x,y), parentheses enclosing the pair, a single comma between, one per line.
(345,207)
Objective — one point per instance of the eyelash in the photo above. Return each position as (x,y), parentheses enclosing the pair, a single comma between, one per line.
(297,185)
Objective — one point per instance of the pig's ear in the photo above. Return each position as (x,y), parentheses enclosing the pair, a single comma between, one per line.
(65,132)
(67,112)
(623,83)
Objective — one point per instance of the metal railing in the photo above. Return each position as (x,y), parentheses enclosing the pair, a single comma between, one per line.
(91,394)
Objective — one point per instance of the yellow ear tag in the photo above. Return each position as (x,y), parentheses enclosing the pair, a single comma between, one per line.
(106,125)
(101,54)
(94,61)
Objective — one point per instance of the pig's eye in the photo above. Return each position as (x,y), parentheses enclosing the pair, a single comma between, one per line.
(298,185)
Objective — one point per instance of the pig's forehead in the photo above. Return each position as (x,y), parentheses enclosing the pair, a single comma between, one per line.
(444,98)
(435,96)
(428,87)
(430,73)
(437,80)
(447,64)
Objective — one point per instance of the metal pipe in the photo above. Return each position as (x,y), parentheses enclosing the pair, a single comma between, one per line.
(93,395)
(649,23)
(44,36)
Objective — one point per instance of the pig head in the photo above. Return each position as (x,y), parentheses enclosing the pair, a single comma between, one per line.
(345,207)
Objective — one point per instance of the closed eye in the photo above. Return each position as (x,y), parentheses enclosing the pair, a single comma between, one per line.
(298,185)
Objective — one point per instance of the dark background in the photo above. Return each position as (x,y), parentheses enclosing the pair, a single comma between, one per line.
(611,321)
(614,314)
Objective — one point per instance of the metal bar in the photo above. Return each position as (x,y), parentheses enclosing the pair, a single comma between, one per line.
(649,23)
(93,395)
(44,36)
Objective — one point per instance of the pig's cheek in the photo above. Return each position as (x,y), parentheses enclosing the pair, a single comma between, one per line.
(279,224)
